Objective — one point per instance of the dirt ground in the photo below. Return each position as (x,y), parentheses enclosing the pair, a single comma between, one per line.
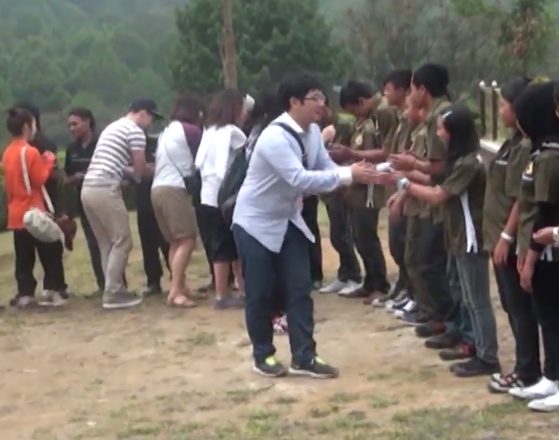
(157,373)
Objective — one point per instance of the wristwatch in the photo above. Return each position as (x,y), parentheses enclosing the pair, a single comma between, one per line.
(402,183)
(556,235)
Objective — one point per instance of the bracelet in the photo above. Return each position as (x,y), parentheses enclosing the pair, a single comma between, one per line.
(402,183)
(508,238)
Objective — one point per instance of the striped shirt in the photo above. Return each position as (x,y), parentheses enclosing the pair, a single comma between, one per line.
(114,153)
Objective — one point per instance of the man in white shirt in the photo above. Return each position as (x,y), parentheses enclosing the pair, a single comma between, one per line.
(289,161)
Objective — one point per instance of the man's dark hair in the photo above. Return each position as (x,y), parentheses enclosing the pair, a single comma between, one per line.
(296,86)
(267,107)
(401,78)
(187,108)
(33,109)
(353,91)
(17,119)
(225,108)
(434,77)
(85,115)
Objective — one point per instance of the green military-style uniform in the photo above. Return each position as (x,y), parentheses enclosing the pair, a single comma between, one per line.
(503,187)
(400,141)
(527,209)
(463,212)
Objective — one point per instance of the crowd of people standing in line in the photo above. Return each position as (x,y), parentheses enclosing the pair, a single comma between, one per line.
(411,150)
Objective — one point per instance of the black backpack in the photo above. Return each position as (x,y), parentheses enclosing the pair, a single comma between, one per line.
(236,173)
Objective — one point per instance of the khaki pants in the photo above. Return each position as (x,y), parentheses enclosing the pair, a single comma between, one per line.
(108,217)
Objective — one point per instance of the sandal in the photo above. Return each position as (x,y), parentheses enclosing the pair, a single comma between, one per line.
(181,302)
(502,383)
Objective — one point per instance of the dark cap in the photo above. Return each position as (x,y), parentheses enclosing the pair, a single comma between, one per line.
(146,104)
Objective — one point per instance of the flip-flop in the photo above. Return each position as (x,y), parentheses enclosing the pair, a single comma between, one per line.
(181,302)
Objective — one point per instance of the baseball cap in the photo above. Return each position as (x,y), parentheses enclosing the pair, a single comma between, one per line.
(146,104)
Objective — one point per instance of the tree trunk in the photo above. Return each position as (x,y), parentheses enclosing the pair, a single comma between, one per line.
(228,49)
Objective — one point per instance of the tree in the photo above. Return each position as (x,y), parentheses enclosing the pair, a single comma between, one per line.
(273,39)
(227,48)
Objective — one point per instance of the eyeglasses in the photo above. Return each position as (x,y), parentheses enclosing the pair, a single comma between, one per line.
(321,99)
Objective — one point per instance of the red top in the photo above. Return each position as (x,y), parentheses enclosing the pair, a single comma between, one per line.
(39,167)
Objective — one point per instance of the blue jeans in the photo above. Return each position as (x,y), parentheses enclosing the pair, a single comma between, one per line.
(289,270)
(474,320)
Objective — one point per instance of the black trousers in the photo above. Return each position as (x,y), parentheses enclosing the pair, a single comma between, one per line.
(520,309)
(94,253)
(364,223)
(152,242)
(341,238)
(205,236)
(50,256)
(310,215)
(397,230)
(546,299)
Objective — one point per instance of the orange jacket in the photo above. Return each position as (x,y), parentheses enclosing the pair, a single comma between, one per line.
(39,168)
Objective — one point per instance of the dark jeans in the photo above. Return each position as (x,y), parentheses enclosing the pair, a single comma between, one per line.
(205,236)
(397,244)
(341,238)
(310,215)
(94,253)
(290,268)
(50,256)
(426,262)
(152,242)
(364,223)
(520,310)
(546,299)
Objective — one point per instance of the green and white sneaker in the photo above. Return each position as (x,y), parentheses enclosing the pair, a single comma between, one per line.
(317,369)
(270,368)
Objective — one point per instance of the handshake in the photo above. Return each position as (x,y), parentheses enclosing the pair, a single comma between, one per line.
(381,174)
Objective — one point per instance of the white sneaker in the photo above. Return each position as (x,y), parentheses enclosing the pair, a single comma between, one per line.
(350,288)
(543,389)
(410,307)
(549,404)
(334,287)
(51,298)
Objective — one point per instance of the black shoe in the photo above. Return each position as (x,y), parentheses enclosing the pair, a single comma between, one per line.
(475,367)
(460,352)
(430,329)
(317,369)
(441,342)
(152,290)
(270,368)
(413,319)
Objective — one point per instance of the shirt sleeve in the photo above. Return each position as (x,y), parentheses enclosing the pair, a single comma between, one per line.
(38,167)
(436,148)
(137,140)
(387,120)
(546,178)
(518,161)
(460,177)
(278,152)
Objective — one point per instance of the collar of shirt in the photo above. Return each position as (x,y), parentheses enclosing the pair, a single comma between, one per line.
(438,105)
(288,119)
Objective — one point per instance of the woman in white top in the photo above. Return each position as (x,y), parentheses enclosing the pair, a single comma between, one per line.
(222,135)
(171,201)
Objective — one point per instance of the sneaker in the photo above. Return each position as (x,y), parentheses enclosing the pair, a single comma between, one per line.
(413,319)
(51,298)
(503,383)
(317,369)
(280,325)
(121,300)
(399,301)
(410,307)
(334,287)
(23,302)
(460,352)
(229,302)
(429,329)
(549,404)
(442,342)
(400,305)
(152,290)
(270,368)
(541,390)
(475,367)
(350,287)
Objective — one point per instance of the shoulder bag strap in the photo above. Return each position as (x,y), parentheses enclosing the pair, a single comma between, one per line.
(296,136)
(27,182)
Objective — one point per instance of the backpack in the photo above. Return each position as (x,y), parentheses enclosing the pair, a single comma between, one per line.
(237,171)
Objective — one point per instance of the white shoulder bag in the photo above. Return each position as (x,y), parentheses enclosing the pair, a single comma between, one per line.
(40,224)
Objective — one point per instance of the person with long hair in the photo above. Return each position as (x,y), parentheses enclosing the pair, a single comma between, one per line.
(500,226)
(461,196)
(172,204)
(223,134)
(22,127)
(539,267)
(82,127)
